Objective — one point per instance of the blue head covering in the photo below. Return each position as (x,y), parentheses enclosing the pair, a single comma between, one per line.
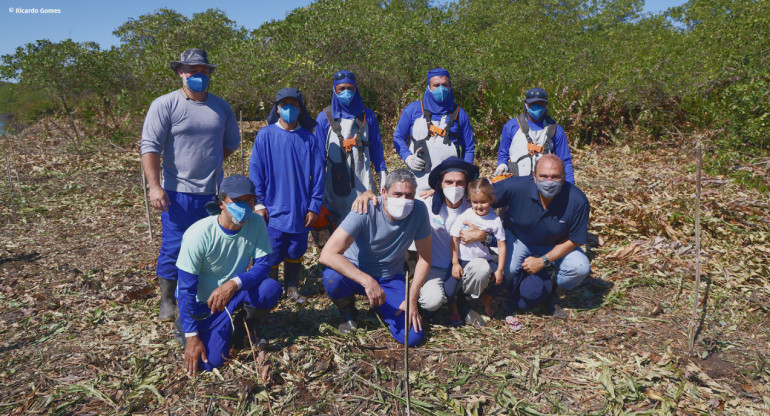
(356,106)
(430,104)
(531,290)
(305,120)
(450,164)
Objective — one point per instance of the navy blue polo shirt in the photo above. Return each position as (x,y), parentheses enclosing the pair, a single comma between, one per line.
(565,218)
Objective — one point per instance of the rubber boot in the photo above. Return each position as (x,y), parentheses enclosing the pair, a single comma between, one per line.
(347,308)
(168,309)
(291,270)
(253,318)
(178,334)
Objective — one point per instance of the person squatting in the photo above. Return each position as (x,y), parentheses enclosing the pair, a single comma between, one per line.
(433,223)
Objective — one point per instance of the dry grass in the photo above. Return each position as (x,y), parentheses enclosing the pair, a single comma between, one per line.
(78,303)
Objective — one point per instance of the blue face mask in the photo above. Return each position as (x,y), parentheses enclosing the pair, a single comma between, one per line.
(289,113)
(240,210)
(345,97)
(198,82)
(440,93)
(537,111)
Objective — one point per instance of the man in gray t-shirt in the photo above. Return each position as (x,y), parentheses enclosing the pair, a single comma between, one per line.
(366,253)
(193,132)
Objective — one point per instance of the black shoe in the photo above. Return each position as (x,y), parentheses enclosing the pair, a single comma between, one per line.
(293,293)
(168,309)
(554,309)
(347,308)
(252,318)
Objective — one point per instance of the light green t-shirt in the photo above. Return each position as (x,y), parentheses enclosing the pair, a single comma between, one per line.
(217,257)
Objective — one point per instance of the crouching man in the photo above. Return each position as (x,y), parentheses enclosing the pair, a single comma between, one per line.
(217,291)
(366,253)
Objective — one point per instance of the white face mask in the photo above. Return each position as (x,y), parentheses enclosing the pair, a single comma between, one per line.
(399,208)
(454,193)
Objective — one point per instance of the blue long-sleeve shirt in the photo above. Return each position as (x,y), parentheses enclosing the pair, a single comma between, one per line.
(376,154)
(460,127)
(560,145)
(188,287)
(287,168)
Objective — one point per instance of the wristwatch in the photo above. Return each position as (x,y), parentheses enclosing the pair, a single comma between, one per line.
(488,239)
(546,263)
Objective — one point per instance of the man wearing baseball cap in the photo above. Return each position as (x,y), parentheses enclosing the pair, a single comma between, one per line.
(186,137)
(218,293)
(529,136)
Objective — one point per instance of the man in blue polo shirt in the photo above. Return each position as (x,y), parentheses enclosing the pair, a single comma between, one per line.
(546,224)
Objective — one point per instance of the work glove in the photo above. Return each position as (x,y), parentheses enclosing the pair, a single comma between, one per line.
(501,169)
(415,163)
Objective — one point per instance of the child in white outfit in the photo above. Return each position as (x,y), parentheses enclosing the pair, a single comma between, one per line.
(482,195)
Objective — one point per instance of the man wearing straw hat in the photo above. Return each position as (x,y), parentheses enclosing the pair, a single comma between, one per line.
(186,137)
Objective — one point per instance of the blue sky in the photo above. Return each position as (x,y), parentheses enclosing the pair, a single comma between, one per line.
(88,20)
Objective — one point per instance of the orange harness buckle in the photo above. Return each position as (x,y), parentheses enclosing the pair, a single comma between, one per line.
(349,143)
(533,148)
(436,131)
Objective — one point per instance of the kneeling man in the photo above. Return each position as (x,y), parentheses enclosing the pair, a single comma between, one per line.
(214,281)
(366,253)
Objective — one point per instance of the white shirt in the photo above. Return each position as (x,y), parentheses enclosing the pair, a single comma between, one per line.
(490,223)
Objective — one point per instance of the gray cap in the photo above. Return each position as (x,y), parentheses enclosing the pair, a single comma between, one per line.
(192,56)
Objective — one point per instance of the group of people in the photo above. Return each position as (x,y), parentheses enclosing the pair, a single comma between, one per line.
(224,239)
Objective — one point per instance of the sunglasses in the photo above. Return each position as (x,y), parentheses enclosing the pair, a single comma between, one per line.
(343,74)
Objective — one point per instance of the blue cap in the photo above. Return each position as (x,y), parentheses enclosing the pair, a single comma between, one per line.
(236,186)
(536,94)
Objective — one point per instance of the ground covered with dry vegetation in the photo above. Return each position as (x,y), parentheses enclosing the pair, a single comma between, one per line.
(78,306)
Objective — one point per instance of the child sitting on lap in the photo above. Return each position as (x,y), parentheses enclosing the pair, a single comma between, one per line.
(482,195)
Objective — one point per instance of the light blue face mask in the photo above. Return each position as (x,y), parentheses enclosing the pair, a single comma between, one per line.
(198,82)
(440,93)
(345,97)
(240,210)
(289,113)
(537,111)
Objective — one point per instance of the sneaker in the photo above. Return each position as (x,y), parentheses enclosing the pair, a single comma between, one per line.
(347,327)
(474,318)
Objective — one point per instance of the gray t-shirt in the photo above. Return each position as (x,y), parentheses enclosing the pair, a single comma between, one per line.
(191,137)
(380,244)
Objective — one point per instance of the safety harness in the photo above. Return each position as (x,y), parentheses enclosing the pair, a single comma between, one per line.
(532,148)
(434,130)
(347,145)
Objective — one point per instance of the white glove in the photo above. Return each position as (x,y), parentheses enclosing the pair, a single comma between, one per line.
(501,169)
(415,163)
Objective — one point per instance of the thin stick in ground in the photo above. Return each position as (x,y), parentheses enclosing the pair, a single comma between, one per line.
(146,204)
(240,113)
(10,183)
(694,317)
(406,346)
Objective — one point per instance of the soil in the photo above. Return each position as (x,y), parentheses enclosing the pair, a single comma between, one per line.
(79,301)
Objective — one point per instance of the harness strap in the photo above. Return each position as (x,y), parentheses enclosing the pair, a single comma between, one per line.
(532,148)
(348,144)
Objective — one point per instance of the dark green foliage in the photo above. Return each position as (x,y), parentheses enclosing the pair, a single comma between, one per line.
(609,68)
